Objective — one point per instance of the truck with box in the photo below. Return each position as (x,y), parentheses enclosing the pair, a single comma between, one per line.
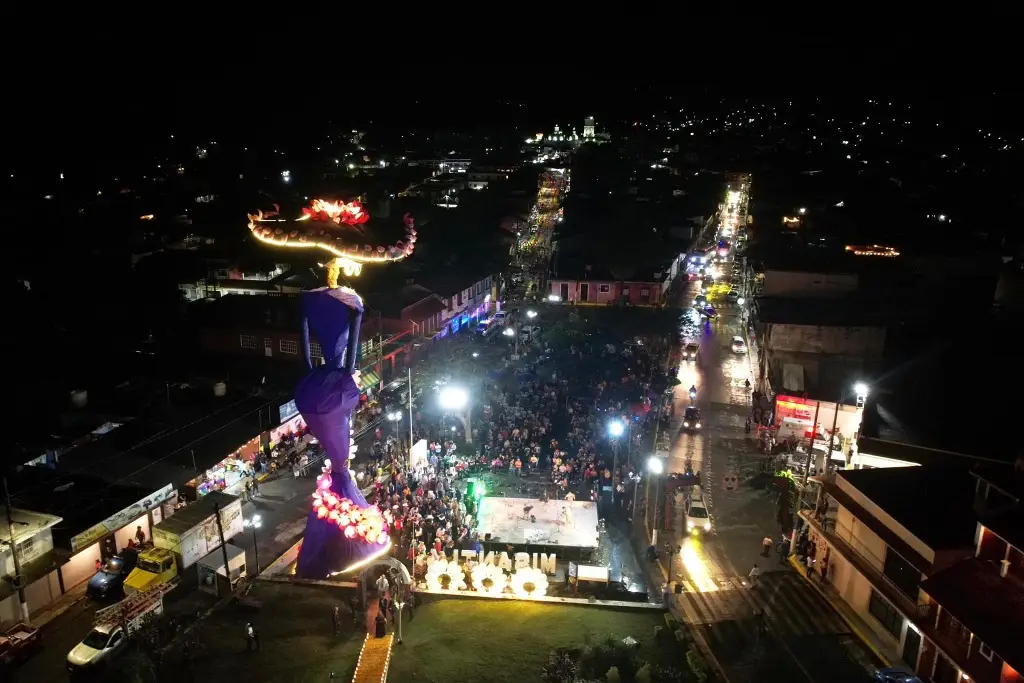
(186,537)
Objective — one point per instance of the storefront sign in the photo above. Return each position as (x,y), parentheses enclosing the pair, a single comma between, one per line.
(288,410)
(800,409)
(115,522)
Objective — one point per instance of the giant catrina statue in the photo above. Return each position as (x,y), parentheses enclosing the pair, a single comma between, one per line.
(343,533)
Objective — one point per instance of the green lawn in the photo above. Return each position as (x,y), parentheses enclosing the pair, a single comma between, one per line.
(449,640)
(496,641)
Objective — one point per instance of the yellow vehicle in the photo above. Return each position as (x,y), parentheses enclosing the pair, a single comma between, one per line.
(155,566)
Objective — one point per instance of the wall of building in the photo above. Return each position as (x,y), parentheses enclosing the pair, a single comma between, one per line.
(607,291)
(890,524)
(842,341)
(803,285)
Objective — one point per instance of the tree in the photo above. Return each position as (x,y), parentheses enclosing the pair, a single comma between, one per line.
(560,668)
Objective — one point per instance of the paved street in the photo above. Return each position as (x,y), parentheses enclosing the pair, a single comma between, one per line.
(804,638)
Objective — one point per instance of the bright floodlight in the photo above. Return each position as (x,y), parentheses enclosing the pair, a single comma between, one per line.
(509,332)
(453,398)
(616,428)
(741,301)
(475,354)
(255,521)
(654,465)
(861,388)
(531,314)
(554,297)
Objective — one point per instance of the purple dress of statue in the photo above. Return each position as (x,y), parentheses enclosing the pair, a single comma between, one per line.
(341,531)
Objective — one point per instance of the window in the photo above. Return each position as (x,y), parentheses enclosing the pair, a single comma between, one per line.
(458,299)
(901,574)
(985,651)
(315,351)
(625,291)
(885,613)
(288,346)
(268,344)
(605,289)
(247,341)
(645,292)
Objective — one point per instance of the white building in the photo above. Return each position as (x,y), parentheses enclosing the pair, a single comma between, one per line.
(877,543)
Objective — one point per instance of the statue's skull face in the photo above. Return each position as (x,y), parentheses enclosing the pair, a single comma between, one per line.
(445,581)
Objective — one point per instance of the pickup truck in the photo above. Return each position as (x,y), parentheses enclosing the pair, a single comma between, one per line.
(109,637)
(17,644)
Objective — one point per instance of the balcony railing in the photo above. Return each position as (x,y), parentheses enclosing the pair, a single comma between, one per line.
(845,543)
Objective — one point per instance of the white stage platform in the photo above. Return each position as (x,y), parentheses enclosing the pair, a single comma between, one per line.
(558,522)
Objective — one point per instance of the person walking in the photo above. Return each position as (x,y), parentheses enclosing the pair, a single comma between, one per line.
(754,575)
(337,621)
(250,637)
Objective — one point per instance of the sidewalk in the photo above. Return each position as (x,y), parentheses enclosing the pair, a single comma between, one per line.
(72,597)
(889,655)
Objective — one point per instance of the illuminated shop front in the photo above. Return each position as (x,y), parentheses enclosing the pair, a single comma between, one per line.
(229,474)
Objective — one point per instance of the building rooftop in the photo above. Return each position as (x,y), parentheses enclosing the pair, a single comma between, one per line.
(26,524)
(150,455)
(917,401)
(851,311)
(81,500)
(990,606)
(932,502)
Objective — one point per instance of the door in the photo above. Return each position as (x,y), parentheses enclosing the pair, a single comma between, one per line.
(564,291)
(911,648)
(268,347)
(584,291)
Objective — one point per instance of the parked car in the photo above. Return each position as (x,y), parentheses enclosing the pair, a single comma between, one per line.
(108,582)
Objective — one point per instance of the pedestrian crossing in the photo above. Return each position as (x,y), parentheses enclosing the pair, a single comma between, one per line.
(730,615)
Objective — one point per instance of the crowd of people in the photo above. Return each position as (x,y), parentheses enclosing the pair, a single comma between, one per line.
(549,424)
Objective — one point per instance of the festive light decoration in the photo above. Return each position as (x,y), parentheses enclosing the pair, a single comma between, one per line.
(355,522)
(489,578)
(528,582)
(335,212)
(320,227)
(445,576)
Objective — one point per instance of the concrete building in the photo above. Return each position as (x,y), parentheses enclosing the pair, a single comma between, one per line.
(818,347)
(875,544)
(974,626)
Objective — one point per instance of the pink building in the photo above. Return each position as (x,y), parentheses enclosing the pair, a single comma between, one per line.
(608,292)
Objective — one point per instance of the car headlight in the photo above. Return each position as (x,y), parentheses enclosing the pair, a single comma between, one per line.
(686,424)
(707,526)
(689,524)
(697,425)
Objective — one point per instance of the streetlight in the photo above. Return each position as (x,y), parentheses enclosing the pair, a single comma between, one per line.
(531,314)
(509,332)
(453,398)
(456,400)
(554,298)
(615,430)
(654,467)
(395,416)
(255,522)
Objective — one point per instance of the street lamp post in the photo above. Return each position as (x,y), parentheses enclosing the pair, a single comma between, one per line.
(456,400)
(654,468)
(615,430)
(862,391)
(255,522)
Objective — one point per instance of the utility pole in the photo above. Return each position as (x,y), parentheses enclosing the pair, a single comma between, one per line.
(807,475)
(409,370)
(380,354)
(223,545)
(19,580)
